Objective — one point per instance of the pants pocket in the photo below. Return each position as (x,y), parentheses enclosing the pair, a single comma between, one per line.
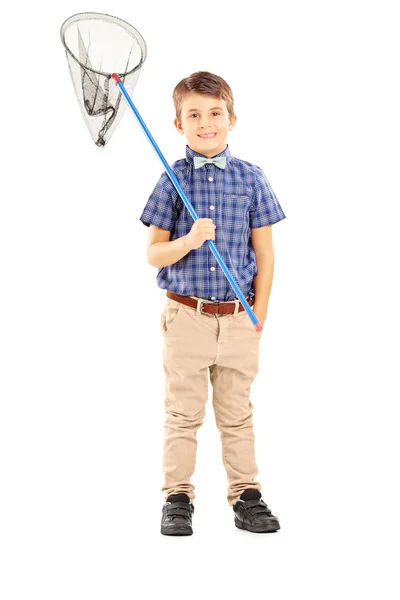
(169,316)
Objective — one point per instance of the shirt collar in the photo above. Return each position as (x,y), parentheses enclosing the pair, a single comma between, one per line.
(190,154)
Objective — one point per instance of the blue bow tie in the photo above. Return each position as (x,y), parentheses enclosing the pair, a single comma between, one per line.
(200,161)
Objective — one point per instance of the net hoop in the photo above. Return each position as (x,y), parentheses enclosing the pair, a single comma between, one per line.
(116,21)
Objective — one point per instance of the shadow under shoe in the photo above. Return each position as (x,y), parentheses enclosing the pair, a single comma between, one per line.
(255,516)
(177,517)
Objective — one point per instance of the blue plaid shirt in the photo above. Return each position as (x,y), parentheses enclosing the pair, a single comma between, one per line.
(237,199)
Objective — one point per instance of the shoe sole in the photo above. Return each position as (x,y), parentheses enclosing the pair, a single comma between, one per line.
(272,528)
(176,532)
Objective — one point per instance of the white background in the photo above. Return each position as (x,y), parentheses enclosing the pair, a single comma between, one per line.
(82,384)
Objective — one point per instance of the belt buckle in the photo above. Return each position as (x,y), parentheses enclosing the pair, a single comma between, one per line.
(202,303)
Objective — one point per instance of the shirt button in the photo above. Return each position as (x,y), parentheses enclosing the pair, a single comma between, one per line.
(210,179)
(212,207)
(212,297)
(212,269)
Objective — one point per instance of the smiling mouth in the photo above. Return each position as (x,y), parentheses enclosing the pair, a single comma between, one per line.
(207,136)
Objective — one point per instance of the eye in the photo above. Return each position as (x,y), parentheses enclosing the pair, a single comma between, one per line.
(194,115)
(215,114)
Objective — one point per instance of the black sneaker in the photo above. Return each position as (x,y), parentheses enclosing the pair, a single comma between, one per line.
(254,515)
(177,515)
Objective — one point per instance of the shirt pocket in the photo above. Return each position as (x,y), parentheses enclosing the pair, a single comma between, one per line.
(236,214)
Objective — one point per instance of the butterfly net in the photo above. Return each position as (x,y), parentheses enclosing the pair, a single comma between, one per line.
(96,46)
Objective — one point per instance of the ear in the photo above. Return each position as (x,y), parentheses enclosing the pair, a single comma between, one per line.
(232,121)
(178,125)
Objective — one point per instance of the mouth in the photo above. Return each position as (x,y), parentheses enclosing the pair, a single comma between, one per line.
(207,136)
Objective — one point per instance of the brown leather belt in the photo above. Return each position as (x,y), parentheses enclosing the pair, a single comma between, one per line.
(213,308)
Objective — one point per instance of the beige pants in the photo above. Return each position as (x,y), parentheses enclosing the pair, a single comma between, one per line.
(228,346)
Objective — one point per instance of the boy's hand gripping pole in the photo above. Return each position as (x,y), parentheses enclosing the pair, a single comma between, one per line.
(190,208)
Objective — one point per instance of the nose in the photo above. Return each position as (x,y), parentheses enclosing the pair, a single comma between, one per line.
(204,122)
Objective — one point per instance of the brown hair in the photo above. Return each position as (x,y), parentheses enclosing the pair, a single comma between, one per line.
(204,83)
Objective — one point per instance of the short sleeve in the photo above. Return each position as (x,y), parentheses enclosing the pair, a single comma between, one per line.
(265,208)
(160,209)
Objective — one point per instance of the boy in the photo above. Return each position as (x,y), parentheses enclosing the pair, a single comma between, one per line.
(205,327)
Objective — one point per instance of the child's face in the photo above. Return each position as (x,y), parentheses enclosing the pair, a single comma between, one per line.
(206,123)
